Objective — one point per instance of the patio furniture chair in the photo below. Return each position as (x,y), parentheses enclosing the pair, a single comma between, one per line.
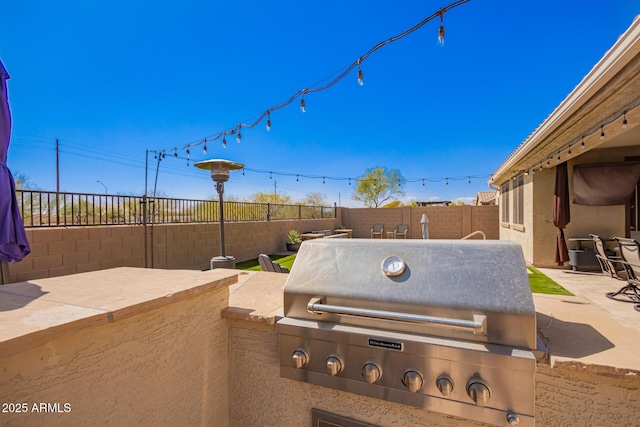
(401,231)
(377,230)
(267,264)
(630,254)
(607,261)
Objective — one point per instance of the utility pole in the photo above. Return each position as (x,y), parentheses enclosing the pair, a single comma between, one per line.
(57,182)
(275,192)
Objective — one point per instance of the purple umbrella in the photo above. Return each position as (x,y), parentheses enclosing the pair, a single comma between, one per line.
(13,239)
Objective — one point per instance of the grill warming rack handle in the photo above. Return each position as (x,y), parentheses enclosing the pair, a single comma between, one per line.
(478,325)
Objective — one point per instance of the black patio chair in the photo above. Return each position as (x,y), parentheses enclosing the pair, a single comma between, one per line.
(607,259)
(630,254)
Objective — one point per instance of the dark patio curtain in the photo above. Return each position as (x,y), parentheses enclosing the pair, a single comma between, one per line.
(605,184)
(561,214)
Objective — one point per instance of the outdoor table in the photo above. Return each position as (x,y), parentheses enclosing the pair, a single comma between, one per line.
(391,234)
(580,256)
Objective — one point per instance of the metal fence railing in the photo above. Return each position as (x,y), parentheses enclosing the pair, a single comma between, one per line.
(51,209)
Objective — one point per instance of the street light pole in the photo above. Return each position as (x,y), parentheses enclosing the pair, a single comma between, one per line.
(105,187)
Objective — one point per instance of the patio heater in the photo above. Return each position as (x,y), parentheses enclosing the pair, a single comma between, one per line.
(220,174)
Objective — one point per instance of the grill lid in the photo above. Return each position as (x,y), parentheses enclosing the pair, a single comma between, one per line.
(471,290)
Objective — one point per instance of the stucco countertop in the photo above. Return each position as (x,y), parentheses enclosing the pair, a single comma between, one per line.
(579,334)
(34,311)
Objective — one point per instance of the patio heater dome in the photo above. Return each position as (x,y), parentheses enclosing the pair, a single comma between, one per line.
(219,168)
(220,174)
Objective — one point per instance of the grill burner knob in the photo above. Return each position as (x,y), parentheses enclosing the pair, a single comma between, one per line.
(334,365)
(479,393)
(413,381)
(299,358)
(444,384)
(513,419)
(371,373)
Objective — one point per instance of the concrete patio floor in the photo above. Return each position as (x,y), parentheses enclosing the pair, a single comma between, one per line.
(592,286)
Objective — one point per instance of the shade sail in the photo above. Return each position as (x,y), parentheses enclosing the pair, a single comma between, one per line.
(13,240)
(561,213)
(605,184)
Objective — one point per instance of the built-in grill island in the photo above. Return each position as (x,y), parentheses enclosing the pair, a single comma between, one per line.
(447,326)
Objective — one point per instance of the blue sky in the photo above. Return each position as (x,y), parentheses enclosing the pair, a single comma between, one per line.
(111,80)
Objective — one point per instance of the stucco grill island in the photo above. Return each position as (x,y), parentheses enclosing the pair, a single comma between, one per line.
(447,326)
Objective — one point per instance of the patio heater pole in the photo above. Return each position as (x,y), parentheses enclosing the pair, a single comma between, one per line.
(220,174)
(220,188)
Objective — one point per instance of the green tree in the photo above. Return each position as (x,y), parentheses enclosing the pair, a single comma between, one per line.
(315,199)
(378,185)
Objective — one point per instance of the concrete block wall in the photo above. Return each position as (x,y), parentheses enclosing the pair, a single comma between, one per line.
(62,251)
(445,222)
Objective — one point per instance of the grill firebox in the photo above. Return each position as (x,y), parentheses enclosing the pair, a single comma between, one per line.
(448,326)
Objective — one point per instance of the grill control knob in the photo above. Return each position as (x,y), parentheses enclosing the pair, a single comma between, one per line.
(413,381)
(334,365)
(371,373)
(478,392)
(444,384)
(299,358)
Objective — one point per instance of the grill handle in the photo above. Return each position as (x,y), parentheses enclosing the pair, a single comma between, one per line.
(478,325)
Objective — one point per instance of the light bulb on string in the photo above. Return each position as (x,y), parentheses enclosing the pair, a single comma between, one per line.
(441,31)
(268,127)
(624,120)
(270,177)
(188,152)
(582,143)
(469,180)
(297,180)
(447,181)
(360,77)
(224,140)
(423,182)
(323,179)
(601,132)
(242,171)
(175,152)
(303,106)
(239,136)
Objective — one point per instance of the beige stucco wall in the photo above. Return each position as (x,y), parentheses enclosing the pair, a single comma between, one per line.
(163,367)
(564,397)
(538,235)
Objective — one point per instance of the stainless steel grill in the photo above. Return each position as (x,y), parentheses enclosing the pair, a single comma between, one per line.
(448,326)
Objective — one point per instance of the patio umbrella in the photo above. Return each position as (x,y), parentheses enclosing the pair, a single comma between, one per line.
(424,223)
(13,239)
(561,215)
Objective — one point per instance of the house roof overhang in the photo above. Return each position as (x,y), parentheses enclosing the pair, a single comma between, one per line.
(608,90)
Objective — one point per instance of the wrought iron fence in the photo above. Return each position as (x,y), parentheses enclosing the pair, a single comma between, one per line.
(51,209)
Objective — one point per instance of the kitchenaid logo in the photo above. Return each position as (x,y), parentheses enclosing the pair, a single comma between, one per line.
(391,345)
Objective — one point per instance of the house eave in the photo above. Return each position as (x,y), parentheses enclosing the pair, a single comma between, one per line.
(614,60)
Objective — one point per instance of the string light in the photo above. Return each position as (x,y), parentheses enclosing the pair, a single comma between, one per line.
(239,135)
(224,140)
(347,71)
(303,105)
(582,143)
(601,132)
(624,120)
(204,149)
(441,29)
